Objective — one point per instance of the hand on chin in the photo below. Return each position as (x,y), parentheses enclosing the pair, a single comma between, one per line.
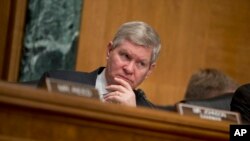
(121,93)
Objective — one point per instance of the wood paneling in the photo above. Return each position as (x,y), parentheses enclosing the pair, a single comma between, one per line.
(4,21)
(11,46)
(195,34)
(31,114)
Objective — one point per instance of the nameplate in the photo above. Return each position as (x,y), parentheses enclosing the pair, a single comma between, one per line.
(208,113)
(71,88)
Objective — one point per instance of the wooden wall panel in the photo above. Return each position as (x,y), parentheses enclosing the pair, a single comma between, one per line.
(14,13)
(195,34)
(4,20)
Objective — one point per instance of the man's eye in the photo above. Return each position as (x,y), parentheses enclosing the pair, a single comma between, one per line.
(141,65)
(124,55)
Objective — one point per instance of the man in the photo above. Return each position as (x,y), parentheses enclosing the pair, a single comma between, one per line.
(131,57)
(209,83)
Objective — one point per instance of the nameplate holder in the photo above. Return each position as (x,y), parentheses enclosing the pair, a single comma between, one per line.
(208,113)
(71,88)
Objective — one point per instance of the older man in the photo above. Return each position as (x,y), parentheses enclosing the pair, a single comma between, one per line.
(131,57)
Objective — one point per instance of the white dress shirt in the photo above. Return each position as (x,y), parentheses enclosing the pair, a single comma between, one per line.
(101,84)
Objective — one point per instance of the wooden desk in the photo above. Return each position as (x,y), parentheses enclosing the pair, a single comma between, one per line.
(30,114)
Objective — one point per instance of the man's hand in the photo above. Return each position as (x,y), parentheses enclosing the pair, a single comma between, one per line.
(121,93)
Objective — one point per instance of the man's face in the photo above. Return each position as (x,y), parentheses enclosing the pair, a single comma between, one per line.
(129,62)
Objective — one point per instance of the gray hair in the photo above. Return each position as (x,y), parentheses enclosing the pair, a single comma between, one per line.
(139,33)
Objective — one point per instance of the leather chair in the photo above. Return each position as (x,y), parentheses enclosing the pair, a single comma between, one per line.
(220,102)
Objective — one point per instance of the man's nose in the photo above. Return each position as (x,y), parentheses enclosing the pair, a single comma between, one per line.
(129,67)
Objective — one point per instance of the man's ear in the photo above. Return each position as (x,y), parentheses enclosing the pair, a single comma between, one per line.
(109,48)
(151,68)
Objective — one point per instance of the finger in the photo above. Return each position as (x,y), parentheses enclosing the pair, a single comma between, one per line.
(123,82)
(112,94)
(113,98)
(116,88)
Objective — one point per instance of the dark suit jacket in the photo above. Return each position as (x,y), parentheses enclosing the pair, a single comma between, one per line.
(89,79)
